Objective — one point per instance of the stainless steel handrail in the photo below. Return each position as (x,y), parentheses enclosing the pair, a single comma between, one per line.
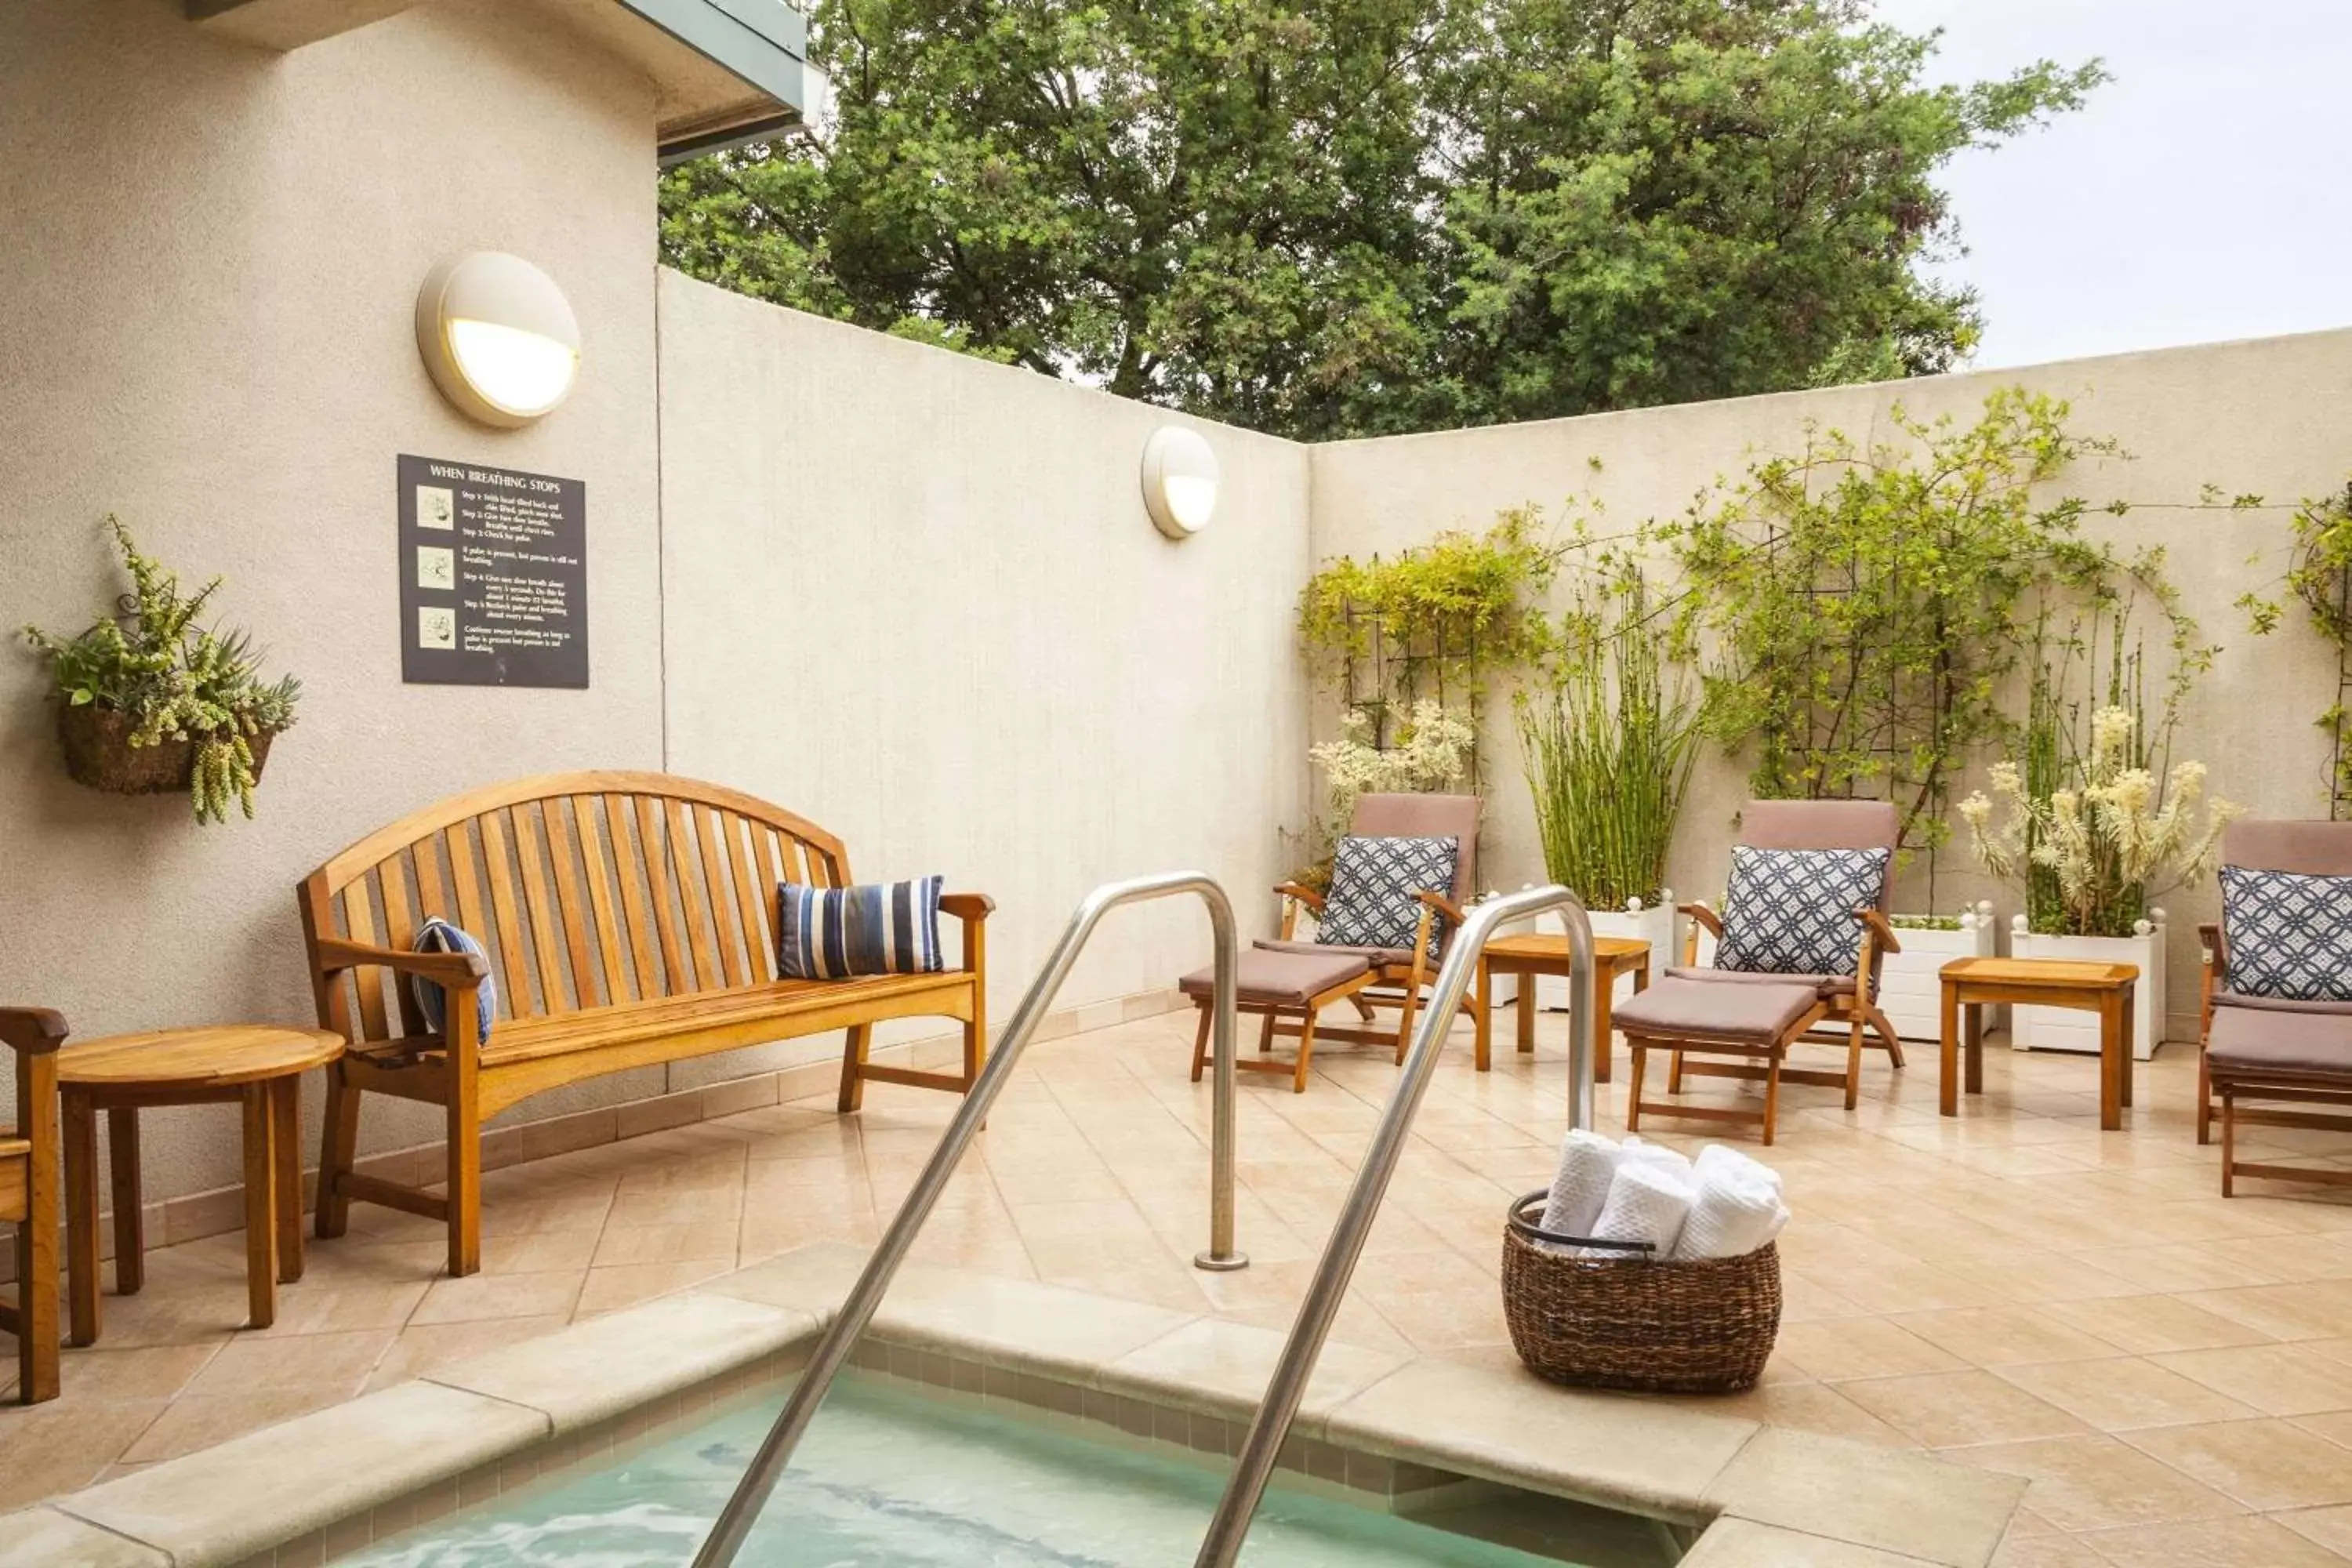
(1329,1286)
(742,1509)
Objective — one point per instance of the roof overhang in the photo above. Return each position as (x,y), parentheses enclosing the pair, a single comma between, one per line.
(724,71)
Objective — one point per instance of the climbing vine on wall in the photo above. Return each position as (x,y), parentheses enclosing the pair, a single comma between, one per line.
(2320,575)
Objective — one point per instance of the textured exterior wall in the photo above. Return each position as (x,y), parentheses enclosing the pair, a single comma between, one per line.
(2272,417)
(211,255)
(914,597)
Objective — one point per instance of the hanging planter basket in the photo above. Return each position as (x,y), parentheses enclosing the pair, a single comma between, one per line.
(98,754)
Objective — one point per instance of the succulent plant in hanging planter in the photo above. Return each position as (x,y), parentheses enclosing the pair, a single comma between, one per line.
(149,704)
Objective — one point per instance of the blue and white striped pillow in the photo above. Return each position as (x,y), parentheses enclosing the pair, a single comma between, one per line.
(437,935)
(882,928)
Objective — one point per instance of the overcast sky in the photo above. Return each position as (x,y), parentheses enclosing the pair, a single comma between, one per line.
(2205,193)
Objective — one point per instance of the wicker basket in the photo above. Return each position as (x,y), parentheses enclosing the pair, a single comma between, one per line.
(98,754)
(1635,1323)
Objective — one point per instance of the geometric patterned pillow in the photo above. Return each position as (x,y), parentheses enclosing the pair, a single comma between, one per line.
(1792,911)
(2289,935)
(1373,881)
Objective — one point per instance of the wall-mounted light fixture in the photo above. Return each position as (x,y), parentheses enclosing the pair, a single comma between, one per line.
(1180,482)
(498,336)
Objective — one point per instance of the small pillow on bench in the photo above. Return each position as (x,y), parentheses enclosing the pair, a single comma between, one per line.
(1374,884)
(437,935)
(882,928)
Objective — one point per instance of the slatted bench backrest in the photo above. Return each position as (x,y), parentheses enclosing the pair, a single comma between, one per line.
(590,890)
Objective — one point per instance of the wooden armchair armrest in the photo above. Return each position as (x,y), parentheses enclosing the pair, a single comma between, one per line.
(1444,907)
(36,1031)
(1705,917)
(972,910)
(1879,926)
(2217,950)
(1308,896)
(464,970)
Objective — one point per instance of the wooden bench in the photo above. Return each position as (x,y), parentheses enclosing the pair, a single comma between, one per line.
(28,1195)
(629,919)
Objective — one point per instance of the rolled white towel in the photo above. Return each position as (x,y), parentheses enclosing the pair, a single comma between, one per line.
(1636,1150)
(1735,1210)
(1588,1163)
(1723,1157)
(1647,1202)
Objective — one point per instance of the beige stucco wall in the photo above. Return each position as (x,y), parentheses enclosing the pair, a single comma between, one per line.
(915,597)
(210,255)
(2272,417)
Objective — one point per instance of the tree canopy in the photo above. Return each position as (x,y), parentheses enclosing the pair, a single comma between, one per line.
(1334,217)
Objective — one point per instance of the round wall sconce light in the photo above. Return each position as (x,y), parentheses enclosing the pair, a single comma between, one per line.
(499,337)
(1180,482)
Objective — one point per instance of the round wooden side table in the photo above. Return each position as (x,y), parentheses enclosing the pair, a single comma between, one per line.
(257,1067)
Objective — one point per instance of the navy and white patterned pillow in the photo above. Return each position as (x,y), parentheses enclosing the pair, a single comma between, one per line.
(2289,934)
(1373,881)
(881,928)
(1792,911)
(437,935)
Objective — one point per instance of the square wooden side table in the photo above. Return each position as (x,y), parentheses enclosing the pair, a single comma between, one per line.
(2107,989)
(1528,956)
(257,1067)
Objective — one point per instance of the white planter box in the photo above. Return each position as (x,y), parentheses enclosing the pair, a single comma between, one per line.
(1658,925)
(2062,1030)
(1910,987)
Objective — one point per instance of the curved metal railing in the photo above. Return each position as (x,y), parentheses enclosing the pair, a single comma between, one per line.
(742,1509)
(1324,1293)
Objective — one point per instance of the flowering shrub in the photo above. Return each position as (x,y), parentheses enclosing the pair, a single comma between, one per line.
(1432,754)
(2113,842)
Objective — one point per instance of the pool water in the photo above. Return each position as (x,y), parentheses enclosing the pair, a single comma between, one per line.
(888,1478)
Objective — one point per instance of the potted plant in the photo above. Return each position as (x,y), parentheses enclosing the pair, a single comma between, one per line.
(1609,743)
(2112,835)
(151,703)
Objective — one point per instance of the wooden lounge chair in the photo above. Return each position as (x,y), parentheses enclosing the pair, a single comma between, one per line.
(28,1195)
(2271,1051)
(1400,977)
(1754,1017)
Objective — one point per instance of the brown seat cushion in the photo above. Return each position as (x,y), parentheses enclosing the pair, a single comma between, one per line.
(1822,984)
(1279,979)
(1383,955)
(1756,1010)
(2253,1041)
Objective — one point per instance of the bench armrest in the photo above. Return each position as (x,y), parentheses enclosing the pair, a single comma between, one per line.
(1445,908)
(1703,916)
(1880,927)
(967,906)
(1308,896)
(36,1031)
(466,971)
(972,910)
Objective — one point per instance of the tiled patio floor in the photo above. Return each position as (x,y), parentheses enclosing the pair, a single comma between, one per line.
(2013,1289)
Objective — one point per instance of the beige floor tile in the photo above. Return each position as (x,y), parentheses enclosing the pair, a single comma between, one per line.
(1811,1407)
(627,1284)
(2153,1324)
(2263,1465)
(2047,1552)
(112,1376)
(499,1295)
(2120,1394)
(2100,1482)
(1837,1350)
(338,1362)
(2321,1310)
(196,1421)
(2253,1541)
(2005,1336)
(705,1239)
(423,1347)
(2275,1379)
(2329,1527)
(58,1446)
(1952,1409)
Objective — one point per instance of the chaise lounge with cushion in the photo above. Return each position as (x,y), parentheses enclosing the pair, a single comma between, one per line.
(2278,991)
(1798,948)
